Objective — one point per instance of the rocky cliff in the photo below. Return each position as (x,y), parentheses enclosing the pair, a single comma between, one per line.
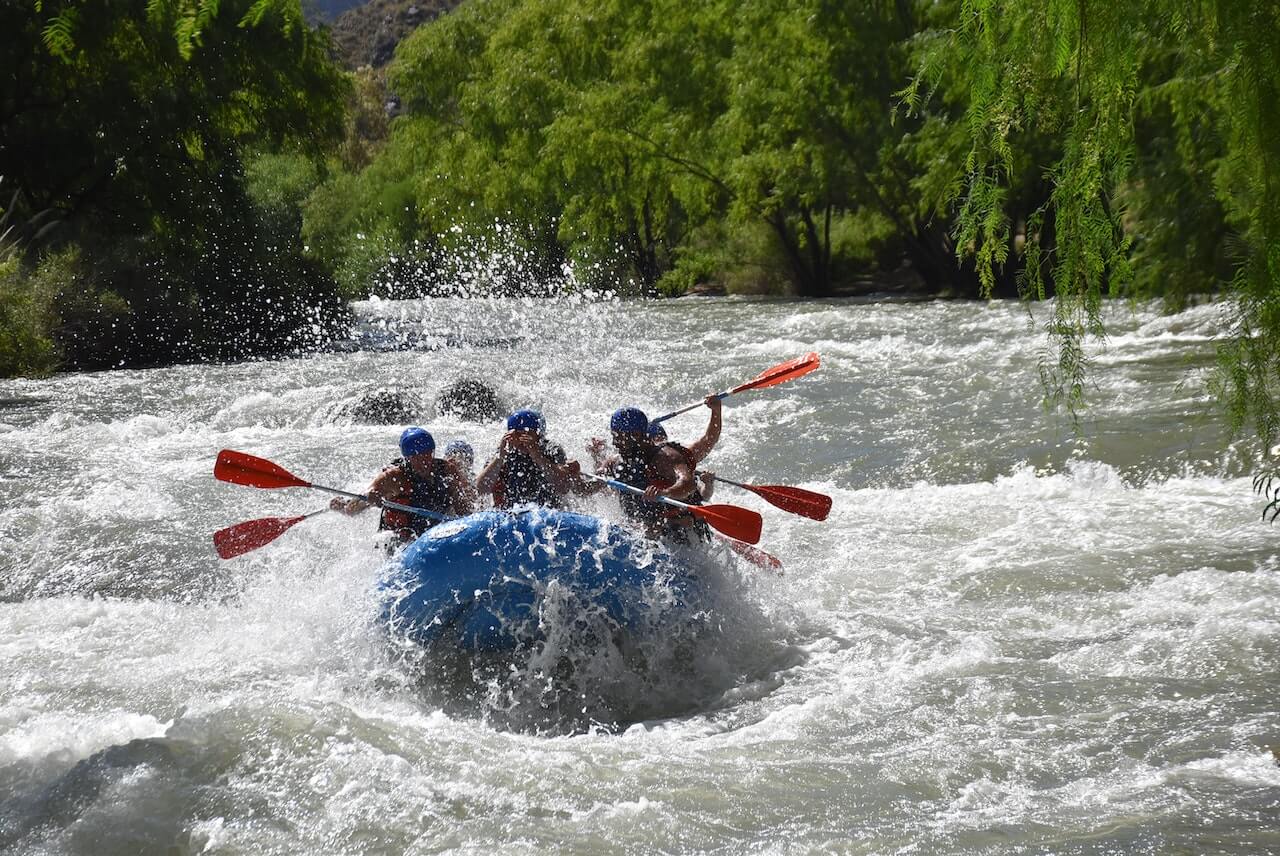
(368,34)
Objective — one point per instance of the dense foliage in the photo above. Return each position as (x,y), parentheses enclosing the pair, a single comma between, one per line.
(133,125)
(1075,149)
(661,144)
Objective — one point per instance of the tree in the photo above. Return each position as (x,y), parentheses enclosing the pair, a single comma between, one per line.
(130,119)
(1089,73)
(632,126)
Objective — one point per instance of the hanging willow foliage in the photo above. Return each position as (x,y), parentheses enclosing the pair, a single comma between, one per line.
(1081,70)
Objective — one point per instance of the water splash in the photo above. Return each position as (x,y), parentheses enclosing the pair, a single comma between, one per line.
(528,624)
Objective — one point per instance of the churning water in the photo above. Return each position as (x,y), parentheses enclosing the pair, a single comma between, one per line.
(1006,638)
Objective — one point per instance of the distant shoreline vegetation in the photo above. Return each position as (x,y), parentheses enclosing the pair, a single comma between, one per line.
(198,178)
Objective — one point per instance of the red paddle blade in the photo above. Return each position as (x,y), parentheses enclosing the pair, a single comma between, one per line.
(250,535)
(734,521)
(782,372)
(806,503)
(239,468)
(757,557)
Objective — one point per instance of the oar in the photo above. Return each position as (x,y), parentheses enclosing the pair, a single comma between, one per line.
(754,555)
(252,534)
(250,471)
(781,373)
(797,500)
(734,521)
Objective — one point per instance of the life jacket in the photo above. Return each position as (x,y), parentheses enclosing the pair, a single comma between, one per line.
(638,470)
(520,480)
(430,492)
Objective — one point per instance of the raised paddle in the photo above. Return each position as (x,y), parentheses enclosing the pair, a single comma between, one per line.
(797,500)
(252,534)
(781,373)
(250,471)
(732,520)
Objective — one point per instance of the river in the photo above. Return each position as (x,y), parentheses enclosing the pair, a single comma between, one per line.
(1012,635)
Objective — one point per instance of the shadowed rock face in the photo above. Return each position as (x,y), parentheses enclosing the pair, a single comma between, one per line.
(383,407)
(321,11)
(368,33)
(470,399)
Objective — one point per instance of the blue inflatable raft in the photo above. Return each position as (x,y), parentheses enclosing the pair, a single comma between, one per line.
(481,581)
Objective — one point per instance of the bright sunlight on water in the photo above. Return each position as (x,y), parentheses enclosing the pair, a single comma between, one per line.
(1008,637)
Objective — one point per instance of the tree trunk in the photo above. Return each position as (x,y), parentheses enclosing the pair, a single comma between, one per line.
(810,272)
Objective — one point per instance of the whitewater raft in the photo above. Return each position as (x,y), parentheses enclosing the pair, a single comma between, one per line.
(487,581)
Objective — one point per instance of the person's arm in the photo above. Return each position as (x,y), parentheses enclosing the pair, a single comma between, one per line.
(708,482)
(387,484)
(462,494)
(489,475)
(563,474)
(529,445)
(603,467)
(677,466)
(560,475)
(708,440)
(566,476)
(601,458)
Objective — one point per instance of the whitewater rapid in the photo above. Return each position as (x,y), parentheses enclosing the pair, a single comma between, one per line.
(1013,634)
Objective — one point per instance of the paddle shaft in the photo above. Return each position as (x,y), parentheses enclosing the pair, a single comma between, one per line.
(781,373)
(732,482)
(383,503)
(735,521)
(626,488)
(720,395)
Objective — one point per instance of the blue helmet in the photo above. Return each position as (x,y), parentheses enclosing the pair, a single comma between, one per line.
(629,419)
(416,441)
(526,420)
(460,447)
(656,431)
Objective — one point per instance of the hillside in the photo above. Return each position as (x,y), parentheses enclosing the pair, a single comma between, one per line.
(368,34)
(324,11)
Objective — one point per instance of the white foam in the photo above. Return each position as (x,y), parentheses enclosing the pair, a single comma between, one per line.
(998,626)
(61,739)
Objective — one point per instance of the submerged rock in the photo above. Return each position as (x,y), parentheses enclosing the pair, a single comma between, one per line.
(383,407)
(470,399)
